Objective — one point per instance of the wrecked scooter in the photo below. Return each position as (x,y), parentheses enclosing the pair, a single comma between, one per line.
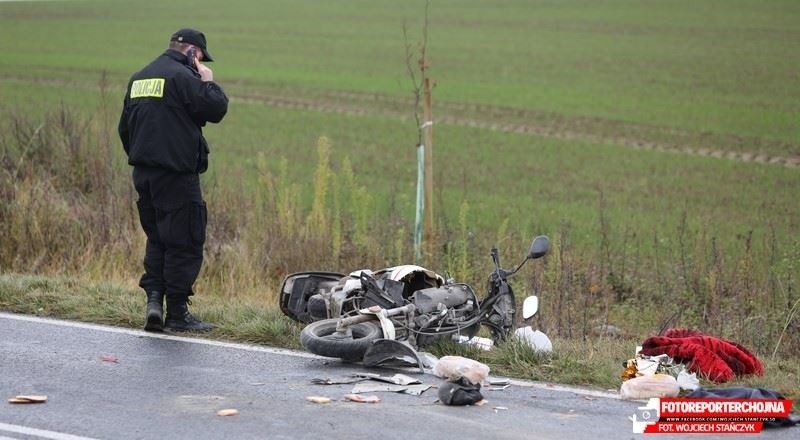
(347,314)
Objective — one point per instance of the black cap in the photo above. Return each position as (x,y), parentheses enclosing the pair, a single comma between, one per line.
(195,37)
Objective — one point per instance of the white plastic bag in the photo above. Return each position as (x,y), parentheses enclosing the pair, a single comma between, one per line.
(646,387)
(452,368)
(688,381)
(536,339)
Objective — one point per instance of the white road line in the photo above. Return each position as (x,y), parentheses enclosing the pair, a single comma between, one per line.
(24,430)
(281,351)
(142,333)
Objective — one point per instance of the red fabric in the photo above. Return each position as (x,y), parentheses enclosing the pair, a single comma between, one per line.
(717,359)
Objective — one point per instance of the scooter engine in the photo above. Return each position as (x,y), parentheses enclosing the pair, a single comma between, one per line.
(450,295)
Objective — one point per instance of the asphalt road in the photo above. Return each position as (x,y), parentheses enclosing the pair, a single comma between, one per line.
(112,383)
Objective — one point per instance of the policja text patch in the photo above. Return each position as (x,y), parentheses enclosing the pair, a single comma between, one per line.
(148,88)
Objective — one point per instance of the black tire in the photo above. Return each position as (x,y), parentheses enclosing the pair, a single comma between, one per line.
(321,338)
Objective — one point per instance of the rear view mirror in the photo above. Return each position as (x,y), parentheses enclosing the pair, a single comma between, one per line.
(530,306)
(539,247)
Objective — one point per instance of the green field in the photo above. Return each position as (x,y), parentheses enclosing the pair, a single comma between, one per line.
(657,142)
(716,75)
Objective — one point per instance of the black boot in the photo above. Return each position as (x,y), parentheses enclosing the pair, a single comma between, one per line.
(180,320)
(154,321)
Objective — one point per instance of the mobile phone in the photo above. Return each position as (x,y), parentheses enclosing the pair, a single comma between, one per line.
(191,55)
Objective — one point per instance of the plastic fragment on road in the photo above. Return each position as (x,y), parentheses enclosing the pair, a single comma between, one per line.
(415,389)
(337,381)
(428,360)
(646,387)
(110,359)
(397,379)
(362,399)
(498,380)
(27,398)
(389,352)
(453,368)
(319,399)
(227,412)
(497,383)
(361,388)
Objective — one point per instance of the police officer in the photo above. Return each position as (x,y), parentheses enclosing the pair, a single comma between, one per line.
(166,105)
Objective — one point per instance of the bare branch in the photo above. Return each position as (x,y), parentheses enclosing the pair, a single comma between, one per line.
(417,83)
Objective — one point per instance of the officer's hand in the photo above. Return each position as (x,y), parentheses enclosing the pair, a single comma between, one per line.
(205,73)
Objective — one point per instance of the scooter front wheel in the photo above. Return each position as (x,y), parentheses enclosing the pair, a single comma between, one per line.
(321,338)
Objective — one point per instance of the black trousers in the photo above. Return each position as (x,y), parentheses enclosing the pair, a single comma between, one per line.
(173,216)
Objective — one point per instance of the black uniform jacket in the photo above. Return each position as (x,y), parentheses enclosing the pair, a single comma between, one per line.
(165,108)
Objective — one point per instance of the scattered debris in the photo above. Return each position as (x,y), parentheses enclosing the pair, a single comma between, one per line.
(460,392)
(688,381)
(258,383)
(25,398)
(497,383)
(112,359)
(453,368)
(535,338)
(373,388)
(415,390)
(500,408)
(646,365)
(227,412)
(630,370)
(428,360)
(362,399)
(397,379)
(717,359)
(498,380)
(645,387)
(398,383)
(389,352)
(337,381)
(475,341)
(319,399)
(643,365)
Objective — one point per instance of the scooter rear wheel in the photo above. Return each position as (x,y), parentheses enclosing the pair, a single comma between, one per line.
(321,338)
